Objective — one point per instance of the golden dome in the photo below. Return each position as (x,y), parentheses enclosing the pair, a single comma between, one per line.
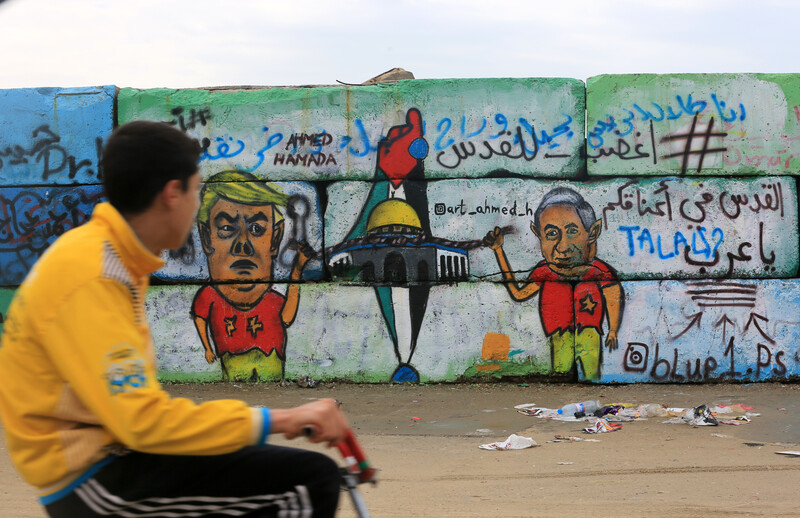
(393,212)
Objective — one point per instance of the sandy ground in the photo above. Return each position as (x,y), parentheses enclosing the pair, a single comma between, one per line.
(432,466)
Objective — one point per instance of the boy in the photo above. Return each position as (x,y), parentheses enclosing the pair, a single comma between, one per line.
(85,418)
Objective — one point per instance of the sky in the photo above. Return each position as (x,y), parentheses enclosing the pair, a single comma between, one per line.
(200,43)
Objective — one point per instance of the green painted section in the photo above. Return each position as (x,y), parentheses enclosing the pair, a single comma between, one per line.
(384,294)
(642,124)
(472,126)
(188,377)
(377,195)
(6,295)
(500,369)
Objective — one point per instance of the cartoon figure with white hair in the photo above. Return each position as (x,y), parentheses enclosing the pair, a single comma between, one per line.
(577,291)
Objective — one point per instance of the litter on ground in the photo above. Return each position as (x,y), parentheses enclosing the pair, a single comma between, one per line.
(613,414)
(514,442)
(598,425)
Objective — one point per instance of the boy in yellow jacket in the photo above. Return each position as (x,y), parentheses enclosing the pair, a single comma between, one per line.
(85,418)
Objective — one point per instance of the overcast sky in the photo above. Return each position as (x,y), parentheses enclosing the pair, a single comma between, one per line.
(194,43)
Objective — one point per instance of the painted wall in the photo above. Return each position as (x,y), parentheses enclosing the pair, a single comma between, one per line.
(693,124)
(53,135)
(442,230)
(32,218)
(533,127)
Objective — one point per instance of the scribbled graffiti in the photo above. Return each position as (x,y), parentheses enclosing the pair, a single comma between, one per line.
(54,135)
(32,218)
(709,331)
(683,107)
(691,124)
(319,149)
(524,145)
(49,156)
(706,217)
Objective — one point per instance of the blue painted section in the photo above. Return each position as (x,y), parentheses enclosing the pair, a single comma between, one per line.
(709,330)
(31,218)
(405,374)
(54,135)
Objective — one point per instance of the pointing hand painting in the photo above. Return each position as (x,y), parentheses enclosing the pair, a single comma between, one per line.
(403,149)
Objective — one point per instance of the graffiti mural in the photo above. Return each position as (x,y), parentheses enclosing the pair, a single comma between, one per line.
(31,218)
(471,331)
(390,240)
(707,330)
(529,126)
(302,221)
(577,291)
(692,124)
(651,228)
(54,135)
(240,319)
(440,230)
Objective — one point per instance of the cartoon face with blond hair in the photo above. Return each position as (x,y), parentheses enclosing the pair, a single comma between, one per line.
(239,317)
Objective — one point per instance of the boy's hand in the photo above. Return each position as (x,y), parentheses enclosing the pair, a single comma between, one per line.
(323,418)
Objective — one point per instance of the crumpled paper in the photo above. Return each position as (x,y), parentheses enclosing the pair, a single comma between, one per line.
(514,442)
(598,425)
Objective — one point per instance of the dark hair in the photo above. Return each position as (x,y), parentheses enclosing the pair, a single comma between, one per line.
(139,159)
(566,196)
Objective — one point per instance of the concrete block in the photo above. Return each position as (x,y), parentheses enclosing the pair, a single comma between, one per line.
(53,135)
(693,124)
(360,333)
(31,218)
(709,330)
(461,127)
(649,228)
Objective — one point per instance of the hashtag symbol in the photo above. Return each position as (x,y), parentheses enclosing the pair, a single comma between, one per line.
(689,150)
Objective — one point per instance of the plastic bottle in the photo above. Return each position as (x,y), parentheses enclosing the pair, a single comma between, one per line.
(587,407)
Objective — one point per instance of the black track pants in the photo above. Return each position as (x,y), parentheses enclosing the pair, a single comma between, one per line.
(262,481)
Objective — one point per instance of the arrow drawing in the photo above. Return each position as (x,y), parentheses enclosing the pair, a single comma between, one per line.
(724,321)
(695,320)
(752,320)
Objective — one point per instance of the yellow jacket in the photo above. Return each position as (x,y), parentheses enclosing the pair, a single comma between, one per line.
(77,368)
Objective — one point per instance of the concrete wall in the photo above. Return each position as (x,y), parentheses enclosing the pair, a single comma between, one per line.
(400,206)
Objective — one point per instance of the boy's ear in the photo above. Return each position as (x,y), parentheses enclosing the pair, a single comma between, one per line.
(277,236)
(594,231)
(171,192)
(205,237)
